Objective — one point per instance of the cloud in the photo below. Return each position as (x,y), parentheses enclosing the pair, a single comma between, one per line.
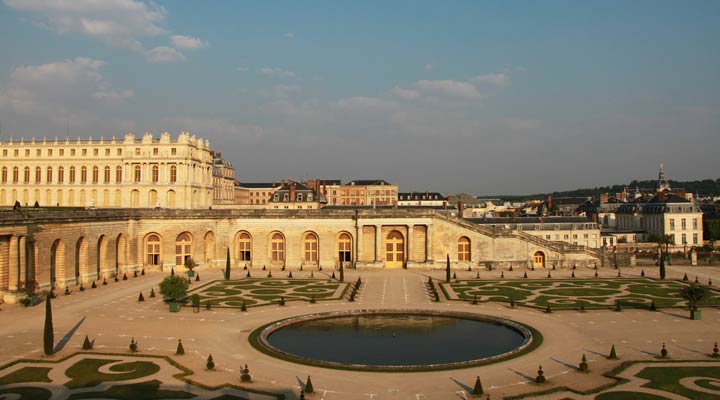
(290,35)
(280,91)
(363,103)
(120,23)
(448,88)
(61,88)
(498,79)
(406,94)
(276,72)
(163,54)
(187,42)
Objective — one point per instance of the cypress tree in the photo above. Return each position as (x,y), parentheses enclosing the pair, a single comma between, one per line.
(48,335)
(227,265)
(478,389)
(447,269)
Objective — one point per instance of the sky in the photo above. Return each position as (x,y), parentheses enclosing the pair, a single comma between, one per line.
(483,97)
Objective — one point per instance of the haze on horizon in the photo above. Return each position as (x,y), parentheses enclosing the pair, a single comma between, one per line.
(478,97)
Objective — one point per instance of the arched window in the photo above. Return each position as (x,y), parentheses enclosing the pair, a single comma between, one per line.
(38,174)
(26,175)
(152,198)
(310,248)
(152,250)
(277,247)
(173,174)
(137,173)
(49,175)
(170,203)
(539,259)
(155,173)
(106,174)
(95,174)
(83,174)
(4,175)
(71,179)
(345,247)
(118,174)
(244,247)
(16,174)
(183,248)
(463,253)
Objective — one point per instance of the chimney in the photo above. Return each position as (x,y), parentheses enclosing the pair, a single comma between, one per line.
(461,208)
(604,198)
(292,191)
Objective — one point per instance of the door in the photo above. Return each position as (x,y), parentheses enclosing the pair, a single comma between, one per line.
(394,250)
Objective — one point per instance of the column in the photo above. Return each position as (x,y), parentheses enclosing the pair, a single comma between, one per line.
(4,261)
(22,267)
(358,243)
(410,243)
(13,264)
(377,243)
(428,243)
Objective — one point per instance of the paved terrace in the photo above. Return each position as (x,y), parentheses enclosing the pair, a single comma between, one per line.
(111,315)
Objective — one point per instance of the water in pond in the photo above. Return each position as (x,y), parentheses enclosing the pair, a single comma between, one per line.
(395,340)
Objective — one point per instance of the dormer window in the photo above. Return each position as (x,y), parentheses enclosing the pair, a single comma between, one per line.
(298,197)
(275,197)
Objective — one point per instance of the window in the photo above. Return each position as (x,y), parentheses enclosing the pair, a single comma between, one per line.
(4,175)
(119,152)
(244,247)
(152,250)
(155,173)
(16,174)
(49,175)
(298,197)
(463,249)
(84,152)
(684,238)
(137,151)
(72,152)
(61,174)
(38,152)
(38,174)
(585,236)
(344,247)
(26,175)
(695,238)
(672,224)
(107,152)
(310,245)
(118,174)
(173,151)
(95,174)
(5,153)
(566,237)
(683,224)
(16,152)
(183,248)
(106,174)
(173,174)
(96,152)
(27,154)
(83,174)
(137,175)
(155,151)
(50,152)
(277,248)
(695,226)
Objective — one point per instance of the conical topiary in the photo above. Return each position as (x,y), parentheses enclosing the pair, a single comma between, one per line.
(663,351)
(685,277)
(583,364)
(263,267)
(309,385)
(243,307)
(715,351)
(502,275)
(269,274)
(548,309)
(141,297)
(282,301)
(311,274)
(617,306)
(82,288)
(524,274)
(477,389)
(48,333)
(290,274)
(245,374)
(333,275)
(596,274)
(510,269)
(172,271)
(248,274)
(619,275)
(124,276)
(210,364)
(652,306)
(696,279)
(454,275)
(312,299)
(152,292)
(197,277)
(135,275)
(540,378)
(142,272)
(67,290)
(478,275)
(180,349)
(302,394)
(474,299)
(572,275)
(87,345)
(94,285)
(549,275)
(613,354)
(512,303)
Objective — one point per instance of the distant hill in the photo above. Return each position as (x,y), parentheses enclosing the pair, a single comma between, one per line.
(705,187)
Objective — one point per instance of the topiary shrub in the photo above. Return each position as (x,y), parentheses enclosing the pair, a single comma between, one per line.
(245,374)
(87,345)
(583,364)
(210,364)
(540,378)
(613,354)
(663,351)
(173,288)
(309,386)
(94,285)
(141,297)
(477,389)
(243,307)
(133,345)
(180,349)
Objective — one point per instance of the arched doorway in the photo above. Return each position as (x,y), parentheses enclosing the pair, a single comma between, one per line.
(277,248)
(394,250)
(101,261)
(152,250)
(209,247)
(310,248)
(345,247)
(57,262)
(81,259)
(183,248)
(539,259)
(244,243)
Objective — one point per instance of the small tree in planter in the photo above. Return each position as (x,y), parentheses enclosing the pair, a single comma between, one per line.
(190,264)
(195,300)
(174,290)
(694,294)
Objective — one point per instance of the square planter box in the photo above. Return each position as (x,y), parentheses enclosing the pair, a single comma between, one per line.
(696,315)
(174,307)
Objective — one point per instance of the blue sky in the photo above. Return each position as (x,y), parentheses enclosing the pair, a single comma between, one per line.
(482,97)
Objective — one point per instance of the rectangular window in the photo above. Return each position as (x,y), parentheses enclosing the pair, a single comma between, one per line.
(695,238)
(119,152)
(107,152)
(16,152)
(61,152)
(137,151)
(50,152)
(695,224)
(155,151)
(173,151)
(38,152)
(684,238)
(683,224)
(672,224)
(84,152)
(96,152)
(27,152)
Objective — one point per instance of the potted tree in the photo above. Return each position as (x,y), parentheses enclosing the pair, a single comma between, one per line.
(694,294)
(190,264)
(195,300)
(174,291)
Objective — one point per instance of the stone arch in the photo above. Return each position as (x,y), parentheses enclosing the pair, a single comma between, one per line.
(121,253)
(276,248)
(209,247)
(310,248)
(101,256)
(152,249)
(152,198)
(539,259)
(394,250)
(81,259)
(344,246)
(57,263)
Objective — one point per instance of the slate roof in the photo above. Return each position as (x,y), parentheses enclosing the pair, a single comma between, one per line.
(368,182)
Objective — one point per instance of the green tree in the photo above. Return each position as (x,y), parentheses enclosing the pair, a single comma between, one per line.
(48,335)
(173,287)
(711,231)
(694,294)
(227,265)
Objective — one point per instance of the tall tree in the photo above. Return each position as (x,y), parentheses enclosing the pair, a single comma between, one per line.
(711,231)
(447,269)
(227,265)
(48,335)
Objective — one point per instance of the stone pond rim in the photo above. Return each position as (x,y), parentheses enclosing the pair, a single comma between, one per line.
(531,339)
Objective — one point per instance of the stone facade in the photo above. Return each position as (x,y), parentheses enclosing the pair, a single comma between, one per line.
(44,248)
(138,173)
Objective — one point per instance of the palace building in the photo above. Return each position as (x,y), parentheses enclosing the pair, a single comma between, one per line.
(133,172)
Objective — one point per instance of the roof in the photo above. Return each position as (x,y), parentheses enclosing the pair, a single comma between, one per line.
(528,220)
(257,185)
(369,182)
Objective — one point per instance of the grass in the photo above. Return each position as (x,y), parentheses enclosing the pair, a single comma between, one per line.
(27,374)
(86,372)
